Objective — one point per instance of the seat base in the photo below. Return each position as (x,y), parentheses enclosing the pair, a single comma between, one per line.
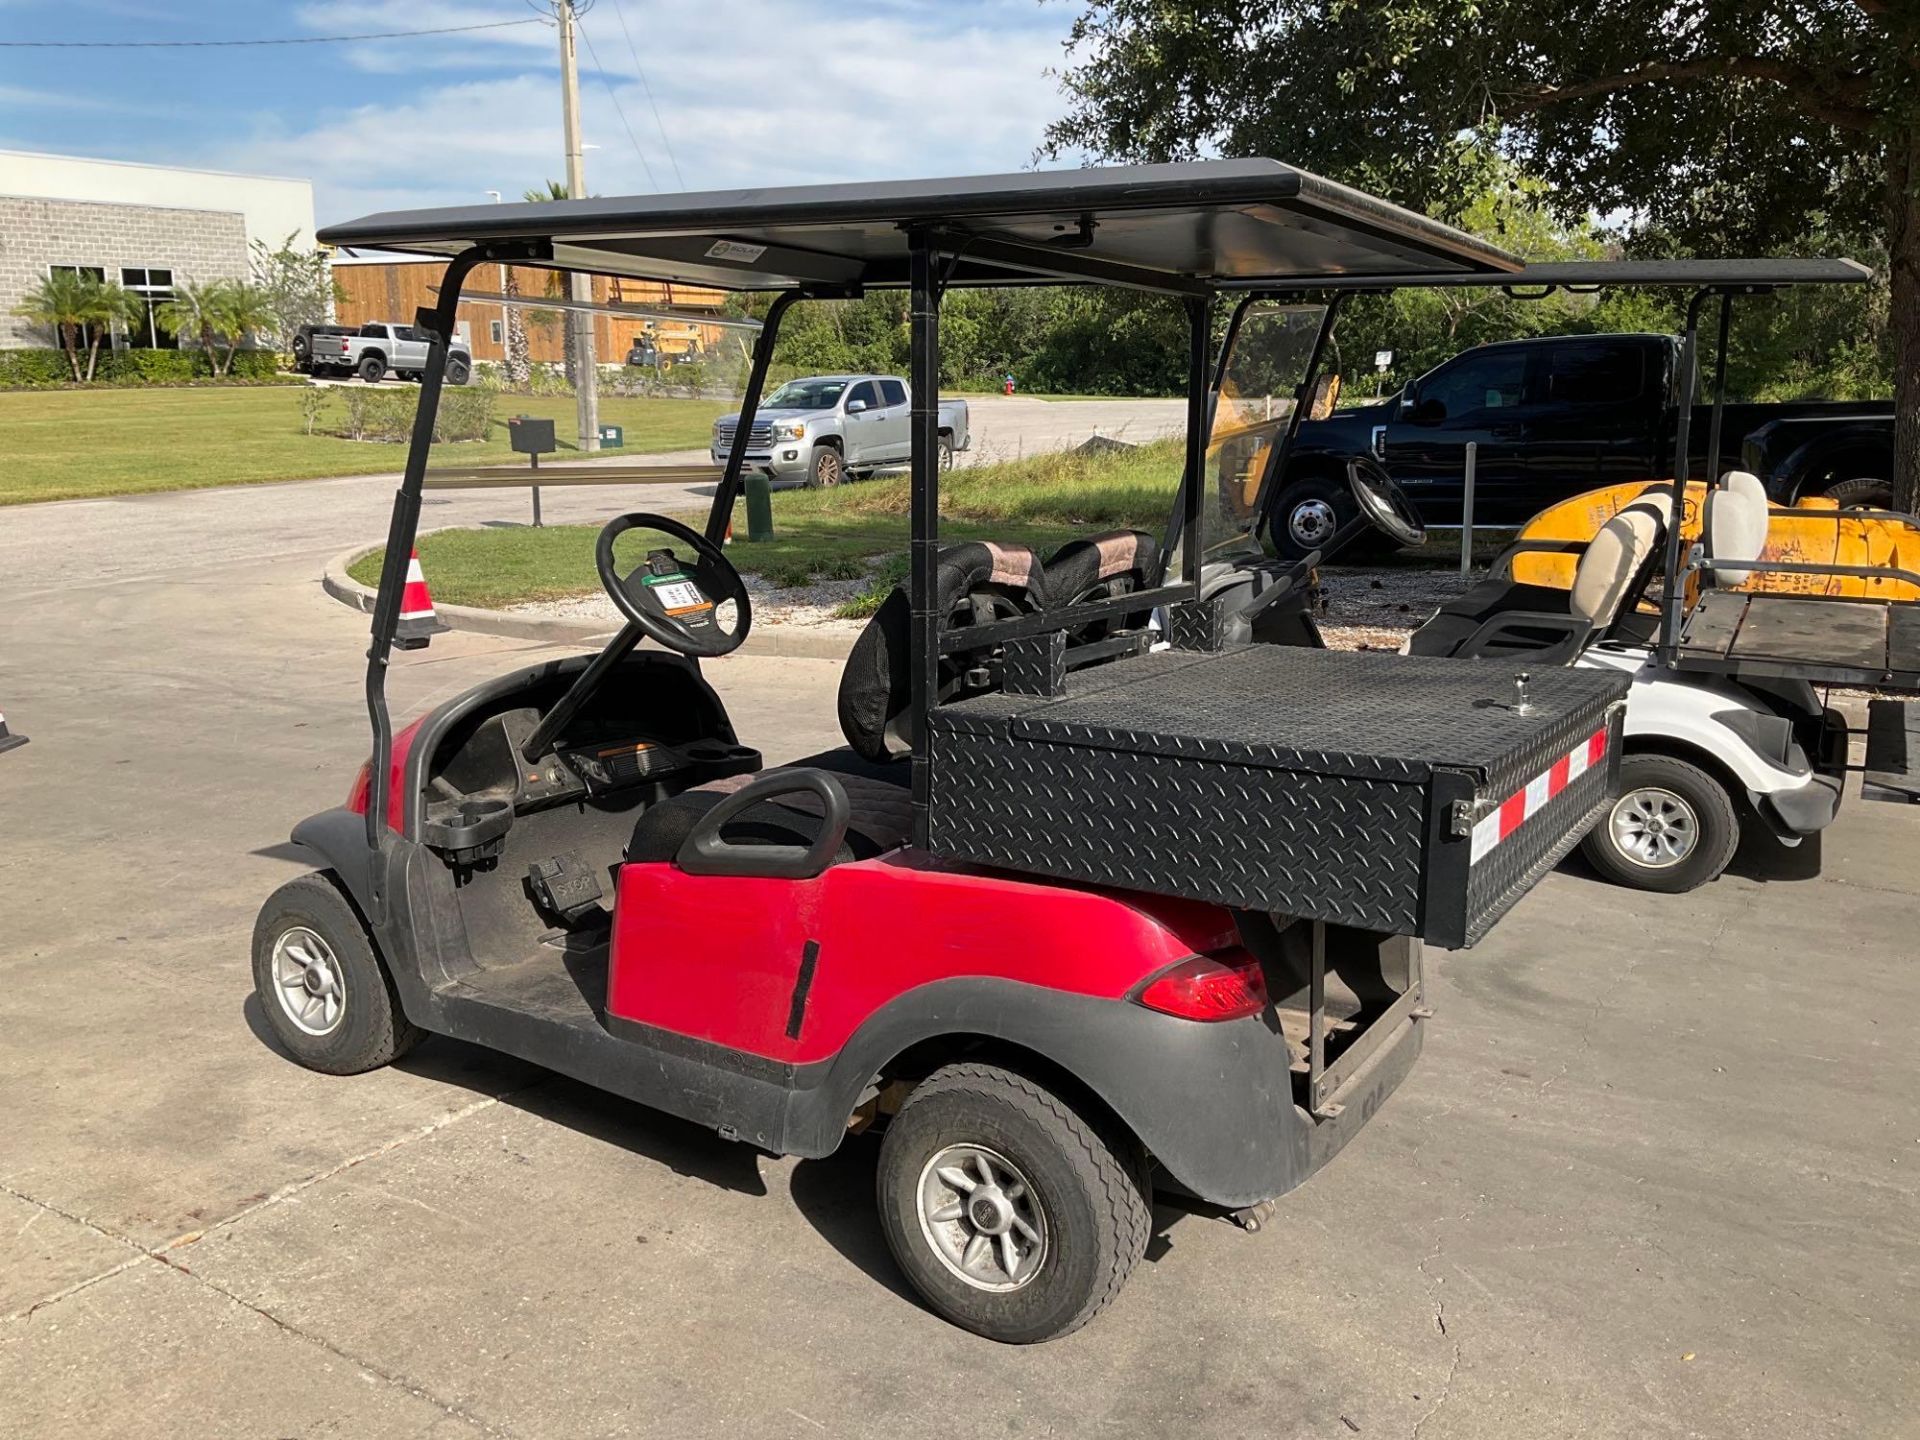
(1455,622)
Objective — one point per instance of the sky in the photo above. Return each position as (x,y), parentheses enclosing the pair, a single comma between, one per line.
(685,94)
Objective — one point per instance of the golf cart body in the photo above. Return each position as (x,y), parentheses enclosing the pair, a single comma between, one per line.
(1073,901)
(1726,621)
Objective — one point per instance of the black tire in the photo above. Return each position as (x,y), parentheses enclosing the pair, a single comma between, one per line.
(1684,797)
(1861,494)
(1089,1189)
(944,450)
(372,369)
(828,468)
(370,1029)
(458,371)
(1311,513)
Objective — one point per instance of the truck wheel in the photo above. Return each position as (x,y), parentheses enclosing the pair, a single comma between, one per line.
(458,371)
(1862,494)
(1673,828)
(945,452)
(1010,1214)
(1311,514)
(325,993)
(373,369)
(828,467)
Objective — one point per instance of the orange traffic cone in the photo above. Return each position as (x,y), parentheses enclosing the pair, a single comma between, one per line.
(418,623)
(727,539)
(9,740)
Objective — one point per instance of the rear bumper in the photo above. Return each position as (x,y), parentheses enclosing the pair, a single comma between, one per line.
(1809,804)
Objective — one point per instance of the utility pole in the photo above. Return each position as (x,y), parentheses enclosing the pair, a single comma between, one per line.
(580,287)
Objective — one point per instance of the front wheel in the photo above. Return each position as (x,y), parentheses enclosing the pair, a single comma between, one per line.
(828,468)
(1672,830)
(1011,1215)
(458,372)
(325,994)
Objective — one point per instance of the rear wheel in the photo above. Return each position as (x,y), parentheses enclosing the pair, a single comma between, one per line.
(1312,512)
(944,452)
(828,468)
(1861,494)
(1673,828)
(324,992)
(373,369)
(1010,1214)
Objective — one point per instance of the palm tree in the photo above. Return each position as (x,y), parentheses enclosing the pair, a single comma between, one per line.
(557,287)
(213,312)
(76,305)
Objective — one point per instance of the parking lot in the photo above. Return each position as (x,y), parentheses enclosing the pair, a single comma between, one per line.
(1653,1176)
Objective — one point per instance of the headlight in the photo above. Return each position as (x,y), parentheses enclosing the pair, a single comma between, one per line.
(790,430)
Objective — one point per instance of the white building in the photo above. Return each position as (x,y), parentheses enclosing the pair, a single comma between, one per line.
(144,226)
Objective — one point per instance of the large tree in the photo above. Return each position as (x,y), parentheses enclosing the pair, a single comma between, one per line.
(1726,126)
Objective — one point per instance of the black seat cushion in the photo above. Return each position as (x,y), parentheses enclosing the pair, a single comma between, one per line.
(1456,621)
(974,582)
(878,798)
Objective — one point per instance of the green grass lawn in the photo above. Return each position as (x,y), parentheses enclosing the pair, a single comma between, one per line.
(831,534)
(71,444)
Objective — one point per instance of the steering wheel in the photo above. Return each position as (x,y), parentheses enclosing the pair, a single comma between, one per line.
(1383,502)
(672,605)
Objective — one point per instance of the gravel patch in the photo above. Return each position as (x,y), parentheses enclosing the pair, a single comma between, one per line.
(1376,608)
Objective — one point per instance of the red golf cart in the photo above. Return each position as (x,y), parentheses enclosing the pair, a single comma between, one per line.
(1097,898)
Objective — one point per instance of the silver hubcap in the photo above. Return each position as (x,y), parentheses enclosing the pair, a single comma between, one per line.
(1312,522)
(1654,827)
(982,1218)
(306,977)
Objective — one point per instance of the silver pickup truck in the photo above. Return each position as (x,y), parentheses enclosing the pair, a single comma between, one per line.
(829,427)
(379,348)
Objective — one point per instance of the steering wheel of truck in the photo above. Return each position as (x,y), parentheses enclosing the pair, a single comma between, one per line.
(1383,502)
(680,606)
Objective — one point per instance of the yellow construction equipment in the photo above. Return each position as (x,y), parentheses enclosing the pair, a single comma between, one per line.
(1814,532)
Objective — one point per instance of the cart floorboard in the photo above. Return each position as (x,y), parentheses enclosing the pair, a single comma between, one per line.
(1807,637)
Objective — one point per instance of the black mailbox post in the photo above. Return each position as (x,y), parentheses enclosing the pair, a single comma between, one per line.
(532,437)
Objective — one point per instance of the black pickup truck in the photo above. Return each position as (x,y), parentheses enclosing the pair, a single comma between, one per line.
(1553,417)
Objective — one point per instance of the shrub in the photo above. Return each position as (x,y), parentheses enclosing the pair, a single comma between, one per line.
(39,368)
(465,414)
(387,415)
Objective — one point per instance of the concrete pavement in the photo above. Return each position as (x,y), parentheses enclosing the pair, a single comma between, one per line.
(1654,1176)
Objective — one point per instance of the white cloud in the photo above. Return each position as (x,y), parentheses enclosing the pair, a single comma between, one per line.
(749,92)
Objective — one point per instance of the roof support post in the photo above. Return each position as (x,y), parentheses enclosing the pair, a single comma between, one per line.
(924,518)
(1719,395)
(1673,603)
(729,490)
(1199,413)
(401,532)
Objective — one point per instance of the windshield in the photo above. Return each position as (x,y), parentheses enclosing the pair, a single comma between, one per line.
(806,395)
(1258,390)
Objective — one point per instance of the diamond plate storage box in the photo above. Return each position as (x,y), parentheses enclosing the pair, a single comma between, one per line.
(1403,794)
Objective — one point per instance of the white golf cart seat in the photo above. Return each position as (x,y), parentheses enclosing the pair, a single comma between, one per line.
(1736,526)
(1501,618)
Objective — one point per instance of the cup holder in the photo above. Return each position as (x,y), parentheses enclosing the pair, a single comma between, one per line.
(712,759)
(468,831)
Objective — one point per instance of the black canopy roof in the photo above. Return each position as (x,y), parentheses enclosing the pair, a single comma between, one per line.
(1590,274)
(1175,227)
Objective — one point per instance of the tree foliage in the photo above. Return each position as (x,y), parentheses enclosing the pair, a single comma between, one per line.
(1714,127)
(218,315)
(296,286)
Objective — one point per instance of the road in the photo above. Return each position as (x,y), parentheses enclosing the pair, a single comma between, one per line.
(1654,1176)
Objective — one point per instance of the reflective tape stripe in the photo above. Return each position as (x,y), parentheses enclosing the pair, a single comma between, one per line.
(1530,799)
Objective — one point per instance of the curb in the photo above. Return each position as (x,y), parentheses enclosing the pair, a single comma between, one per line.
(785,641)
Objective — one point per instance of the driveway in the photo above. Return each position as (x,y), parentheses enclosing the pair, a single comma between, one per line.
(1654,1176)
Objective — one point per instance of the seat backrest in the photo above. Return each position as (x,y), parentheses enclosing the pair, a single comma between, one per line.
(1736,525)
(972,582)
(1617,556)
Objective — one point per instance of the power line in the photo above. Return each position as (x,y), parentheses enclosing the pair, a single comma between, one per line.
(634,140)
(227,44)
(620,14)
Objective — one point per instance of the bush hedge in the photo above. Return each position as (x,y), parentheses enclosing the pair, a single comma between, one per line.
(46,368)
(387,415)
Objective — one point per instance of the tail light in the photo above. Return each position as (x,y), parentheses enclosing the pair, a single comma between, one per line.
(357,795)
(1203,988)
